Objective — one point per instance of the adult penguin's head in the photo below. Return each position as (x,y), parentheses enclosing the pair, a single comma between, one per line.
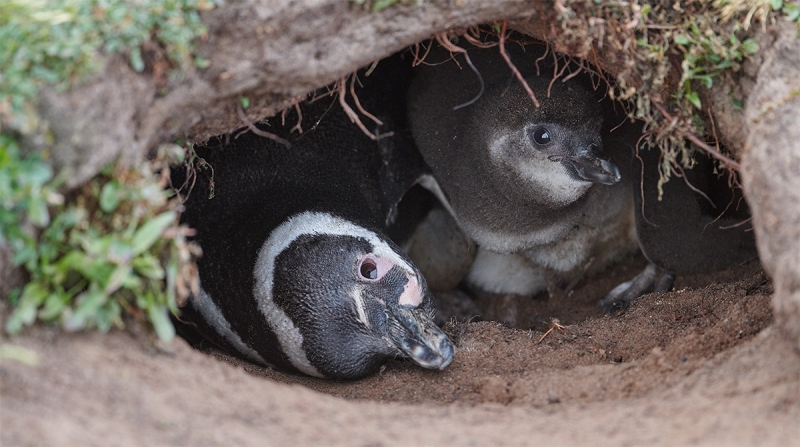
(342,299)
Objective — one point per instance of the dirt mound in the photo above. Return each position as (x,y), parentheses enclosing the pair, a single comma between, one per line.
(696,365)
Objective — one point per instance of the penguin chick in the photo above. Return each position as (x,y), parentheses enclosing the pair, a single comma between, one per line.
(296,271)
(532,186)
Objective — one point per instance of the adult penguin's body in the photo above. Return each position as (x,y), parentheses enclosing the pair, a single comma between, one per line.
(296,272)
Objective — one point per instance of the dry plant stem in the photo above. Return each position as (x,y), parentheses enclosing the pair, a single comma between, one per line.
(555,324)
(512,66)
(695,140)
(258,131)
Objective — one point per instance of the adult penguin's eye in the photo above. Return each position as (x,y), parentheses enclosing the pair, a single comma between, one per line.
(541,136)
(368,269)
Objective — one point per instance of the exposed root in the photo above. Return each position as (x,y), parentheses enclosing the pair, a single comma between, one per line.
(641,179)
(258,131)
(556,73)
(297,127)
(444,41)
(541,58)
(417,59)
(472,35)
(513,67)
(729,162)
(358,103)
(679,171)
(341,87)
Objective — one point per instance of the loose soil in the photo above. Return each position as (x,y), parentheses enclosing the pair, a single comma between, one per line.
(699,365)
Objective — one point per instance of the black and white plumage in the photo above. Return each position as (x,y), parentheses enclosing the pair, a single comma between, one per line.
(296,271)
(532,186)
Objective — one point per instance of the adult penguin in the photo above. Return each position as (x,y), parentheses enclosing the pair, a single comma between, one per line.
(296,270)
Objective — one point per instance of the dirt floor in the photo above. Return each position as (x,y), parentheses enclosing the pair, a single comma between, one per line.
(701,365)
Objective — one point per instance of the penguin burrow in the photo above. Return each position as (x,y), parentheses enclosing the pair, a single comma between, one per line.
(297,272)
(484,190)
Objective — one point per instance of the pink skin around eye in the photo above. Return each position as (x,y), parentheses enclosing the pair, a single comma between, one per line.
(383,265)
(412,294)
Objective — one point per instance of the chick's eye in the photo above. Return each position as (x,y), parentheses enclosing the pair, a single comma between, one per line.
(368,270)
(541,136)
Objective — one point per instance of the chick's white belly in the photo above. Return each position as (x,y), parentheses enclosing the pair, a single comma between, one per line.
(604,234)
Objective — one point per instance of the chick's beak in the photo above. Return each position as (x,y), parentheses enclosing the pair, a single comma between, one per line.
(590,164)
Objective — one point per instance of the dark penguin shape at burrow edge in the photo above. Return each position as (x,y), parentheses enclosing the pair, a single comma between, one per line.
(296,271)
(698,223)
(534,187)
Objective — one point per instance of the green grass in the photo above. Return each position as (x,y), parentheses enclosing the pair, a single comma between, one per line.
(113,249)
(58,42)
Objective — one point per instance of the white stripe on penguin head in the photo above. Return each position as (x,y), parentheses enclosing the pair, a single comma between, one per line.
(311,223)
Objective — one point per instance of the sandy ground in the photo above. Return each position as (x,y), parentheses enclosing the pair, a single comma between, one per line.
(701,365)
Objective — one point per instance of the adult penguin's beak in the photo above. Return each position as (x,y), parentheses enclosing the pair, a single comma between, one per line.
(414,333)
(412,330)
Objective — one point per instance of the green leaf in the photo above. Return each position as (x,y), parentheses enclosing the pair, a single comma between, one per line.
(245,102)
(136,60)
(33,295)
(53,306)
(87,305)
(776,4)
(108,315)
(35,172)
(201,62)
(117,278)
(149,233)
(161,323)
(382,4)
(792,11)
(119,252)
(149,267)
(37,212)
(749,46)
(694,99)
(681,39)
(110,196)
